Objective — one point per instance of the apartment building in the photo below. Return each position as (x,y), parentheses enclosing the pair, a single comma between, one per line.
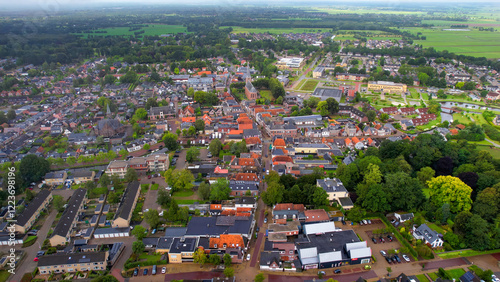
(62,232)
(73,262)
(127,205)
(31,213)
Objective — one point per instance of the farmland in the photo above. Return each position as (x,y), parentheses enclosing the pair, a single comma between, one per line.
(156,29)
(237,29)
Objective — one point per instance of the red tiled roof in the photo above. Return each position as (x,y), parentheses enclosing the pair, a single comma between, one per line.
(295,207)
(229,240)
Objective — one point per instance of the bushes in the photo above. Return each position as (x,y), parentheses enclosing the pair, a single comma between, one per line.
(492,132)
(143,263)
(425,252)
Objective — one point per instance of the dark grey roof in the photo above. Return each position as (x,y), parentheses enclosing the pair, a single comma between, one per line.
(246,201)
(33,206)
(429,234)
(243,185)
(115,230)
(266,258)
(72,258)
(65,223)
(331,185)
(325,93)
(182,244)
(153,241)
(172,232)
(346,201)
(112,123)
(208,226)
(164,243)
(330,241)
(128,200)
(115,250)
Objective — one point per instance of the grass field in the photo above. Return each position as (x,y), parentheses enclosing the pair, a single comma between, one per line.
(433,276)
(474,43)
(456,273)
(364,11)
(465,253)
(182,194)
(422,278)
(266,94)
(310,85)
(4,275)
(495,152)
(237,29)
(299,85)
(156,29)
(186,202)
(414,93)
(461,118)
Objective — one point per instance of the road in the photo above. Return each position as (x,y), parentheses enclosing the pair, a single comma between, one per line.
(493,143)
(28,265)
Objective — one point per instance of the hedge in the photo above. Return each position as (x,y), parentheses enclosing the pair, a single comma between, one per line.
(396,233)
(143,263)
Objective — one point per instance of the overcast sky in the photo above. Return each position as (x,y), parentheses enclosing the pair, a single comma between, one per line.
(55,5)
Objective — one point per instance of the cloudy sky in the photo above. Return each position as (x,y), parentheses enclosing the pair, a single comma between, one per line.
(54,5)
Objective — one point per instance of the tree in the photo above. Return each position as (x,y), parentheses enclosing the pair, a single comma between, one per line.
(214,259)
(403,191)
(190,92)
(199,125)
(333,106)
(371,114)
(279,100)
(220,190)
(192,154)
(384,117)
(356,214)
(146,146)
(138,247)
(229,272)
(141,114)
(259,278)
(163,198)
(320,197)
(486,204)
(376,199)
(152,218)
(204,191)
(139,232)
(199,256)
(11,114)
(151,102)
(57,202)
(113,198)
(273,194)
(33,168)
(123,153)
(29,195)
(425,174)
(179,179)
(449,189)
(227,260)
(389,270)
(170,141)
(215,147)
(372,174)
(131,175)
(191,131)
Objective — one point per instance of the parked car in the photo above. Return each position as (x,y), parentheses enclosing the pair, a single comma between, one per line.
(406,258)
(40,253)
(35,259)
(136,271)
(374,240)
(163,270)
(388,259)
(177,151)
(397,258)
(153,272)
(265,219)
(365,222)
(389,237)
(248,256)
(257,229)
(337,271)
(209,155)
(153,232)
(321,273)
(369,221)
(145,272)
(382,239)
(361,223)
(343,222)
(383,253)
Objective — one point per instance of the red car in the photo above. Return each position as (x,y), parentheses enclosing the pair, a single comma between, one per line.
(35,259)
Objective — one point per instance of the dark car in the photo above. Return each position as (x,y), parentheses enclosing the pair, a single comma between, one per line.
(397,258)
(382,239)
(136,271)
(389,237)
(388,259)
(337,271)
(257,229)
(343,222)
(394,260)
(177,151)
(374,240)
(145,272)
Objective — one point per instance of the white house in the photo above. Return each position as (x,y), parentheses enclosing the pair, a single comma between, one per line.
(429,236)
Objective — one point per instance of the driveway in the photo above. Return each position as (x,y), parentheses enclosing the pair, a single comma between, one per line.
(181,160)
(28,265)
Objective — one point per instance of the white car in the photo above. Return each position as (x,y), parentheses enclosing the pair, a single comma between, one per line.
(248,256)
(163,270)
(405,257)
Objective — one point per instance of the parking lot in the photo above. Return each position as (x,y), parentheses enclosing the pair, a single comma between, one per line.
(378,241)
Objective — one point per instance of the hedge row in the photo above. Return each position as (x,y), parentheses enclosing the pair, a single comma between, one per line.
(400,237)
(144,263)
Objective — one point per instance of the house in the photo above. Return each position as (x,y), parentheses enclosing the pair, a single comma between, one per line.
(216,225)
(55,178)
(283,212)
(226,241)
(83,176)
(271,261)
(333,187)
(290,228)
(62,231)
(243,188)
(427,235)
(470,277)
(118,167)
(407,111)
(318,215)
(73,262)
(127,205)
(402,217)
(182,249)
(492,96)
(28,217)
(161,113)
(406,124)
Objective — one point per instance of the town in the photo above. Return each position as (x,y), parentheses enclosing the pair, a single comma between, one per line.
(298,156)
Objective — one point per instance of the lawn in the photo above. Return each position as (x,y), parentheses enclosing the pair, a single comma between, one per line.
(414,93)
(465,253)
(183,194)
(156,29)
(4,275)
(462,118)
(495,152)
(433,276)
(147,257)
(266,94)
(435,227)
(144,188)
(422,278)
(310,85)
(29,241)
(299,85)
(456,273)
(155,186)
(429,125)
(187,202)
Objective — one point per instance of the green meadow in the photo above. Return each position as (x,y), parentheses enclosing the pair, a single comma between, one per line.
(151,30)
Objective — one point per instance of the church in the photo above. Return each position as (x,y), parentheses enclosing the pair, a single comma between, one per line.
(250,90)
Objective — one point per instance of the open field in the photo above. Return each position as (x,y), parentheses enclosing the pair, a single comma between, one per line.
(266,94)
(237,29)
(473,43)
(352,10)
(156,29)
(495,152)
(310,85)
(465,253)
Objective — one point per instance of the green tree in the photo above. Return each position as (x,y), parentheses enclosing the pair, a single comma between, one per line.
(139,232)
(451,190)
(227,260)
(199,125)
(259,278)
(146,146)
(192,154)
(170,141)
(356,214)
(152,218)
(141,114)
(57,202)
(373,175)
(131,175)
(215,147)
(33,168)
(384,117)
(204,191)
(190,92)
(11,114)
(229,272)
(273,194)
(29,195)
(425,174)
(371,114)
(199,256)
(138,247)
(376,199)
(179,179)
(123,153)
(486,204)
(191,131)
(220,190)
(214,259)
(320,198)
(163,198)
